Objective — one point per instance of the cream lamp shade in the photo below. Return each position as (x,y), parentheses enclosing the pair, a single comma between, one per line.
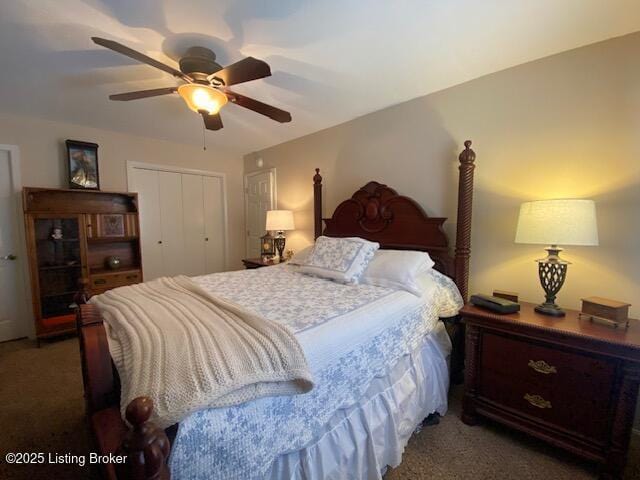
(280,220)
(558,222)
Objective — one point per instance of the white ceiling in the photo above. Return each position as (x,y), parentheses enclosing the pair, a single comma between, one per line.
(332,60)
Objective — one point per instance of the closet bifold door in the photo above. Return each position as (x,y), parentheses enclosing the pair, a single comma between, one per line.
(145,182)
(194,230)
(171,223)
(214,224)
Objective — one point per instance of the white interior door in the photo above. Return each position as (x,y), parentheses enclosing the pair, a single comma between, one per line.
(172,223)
(259,198)
(214,224)
(193,218)
(145,182)
(13,321)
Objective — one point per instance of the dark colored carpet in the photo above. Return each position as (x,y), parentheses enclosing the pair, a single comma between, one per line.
(41,410)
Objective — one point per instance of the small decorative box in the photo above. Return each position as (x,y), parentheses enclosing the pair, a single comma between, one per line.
(513,296)
(607,311)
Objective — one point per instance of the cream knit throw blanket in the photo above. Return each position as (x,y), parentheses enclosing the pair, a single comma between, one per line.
(187,350)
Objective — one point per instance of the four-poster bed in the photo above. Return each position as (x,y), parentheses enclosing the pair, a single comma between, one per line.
(375,212)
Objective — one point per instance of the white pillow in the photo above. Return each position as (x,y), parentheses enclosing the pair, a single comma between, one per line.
(339,259)
(397,269)
(301,257)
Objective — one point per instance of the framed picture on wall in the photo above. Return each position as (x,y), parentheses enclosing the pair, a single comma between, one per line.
(82,159)
(112,225)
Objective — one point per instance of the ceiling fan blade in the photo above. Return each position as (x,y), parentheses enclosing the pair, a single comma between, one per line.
(123,97)
(243,71)
(259,107)
(212,122)
(129,52)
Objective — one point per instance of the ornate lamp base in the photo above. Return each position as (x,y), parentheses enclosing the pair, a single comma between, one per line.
(549,309)
(552,272)
(279,243)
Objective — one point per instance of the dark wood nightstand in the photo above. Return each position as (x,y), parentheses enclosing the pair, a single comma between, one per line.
(251,263)
(567,381)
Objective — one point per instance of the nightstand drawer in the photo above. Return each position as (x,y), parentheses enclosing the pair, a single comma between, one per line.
(584,413)
(565,380)
(545,365)
(567,389)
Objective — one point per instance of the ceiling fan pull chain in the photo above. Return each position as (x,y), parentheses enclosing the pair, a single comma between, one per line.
(204,139)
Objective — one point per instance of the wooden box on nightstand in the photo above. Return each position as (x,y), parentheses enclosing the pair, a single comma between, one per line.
(565,380)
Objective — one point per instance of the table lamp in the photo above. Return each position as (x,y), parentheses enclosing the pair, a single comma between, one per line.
(556,222)
(280,220)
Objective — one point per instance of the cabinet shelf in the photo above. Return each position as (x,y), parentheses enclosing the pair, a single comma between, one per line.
(61,240)
(58,267)
(61,294)
(112,239)
(107,271)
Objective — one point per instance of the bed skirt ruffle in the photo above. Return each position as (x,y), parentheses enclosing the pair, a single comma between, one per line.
(359,442)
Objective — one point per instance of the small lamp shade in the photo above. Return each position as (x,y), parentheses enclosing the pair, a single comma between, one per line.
(280,220)
(558,222)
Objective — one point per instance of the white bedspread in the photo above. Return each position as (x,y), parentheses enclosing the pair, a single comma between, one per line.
(350,335)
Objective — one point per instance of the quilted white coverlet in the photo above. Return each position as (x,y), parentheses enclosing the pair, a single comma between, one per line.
(350,334)
(188,349)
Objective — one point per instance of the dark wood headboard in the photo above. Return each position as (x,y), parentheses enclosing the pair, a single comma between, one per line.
(378,213)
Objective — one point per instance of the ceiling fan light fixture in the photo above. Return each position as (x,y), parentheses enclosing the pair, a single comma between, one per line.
(202,97)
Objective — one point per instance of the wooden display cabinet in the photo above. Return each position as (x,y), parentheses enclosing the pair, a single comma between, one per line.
(70,236)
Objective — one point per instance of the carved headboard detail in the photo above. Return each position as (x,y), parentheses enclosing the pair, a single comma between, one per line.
(376,212)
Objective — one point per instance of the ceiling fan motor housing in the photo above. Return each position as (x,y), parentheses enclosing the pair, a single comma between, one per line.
(199,60)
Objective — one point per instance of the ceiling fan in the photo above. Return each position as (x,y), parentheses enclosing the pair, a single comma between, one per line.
(206,87)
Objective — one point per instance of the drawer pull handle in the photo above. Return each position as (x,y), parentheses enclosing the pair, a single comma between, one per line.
(131,277)
(537,401)
(100,281)
(541,366)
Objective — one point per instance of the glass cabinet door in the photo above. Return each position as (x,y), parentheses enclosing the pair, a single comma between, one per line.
(59,263)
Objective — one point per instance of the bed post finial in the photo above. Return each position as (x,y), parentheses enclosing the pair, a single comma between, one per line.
(145,445)
(83,295)
(463,230)
(317,204)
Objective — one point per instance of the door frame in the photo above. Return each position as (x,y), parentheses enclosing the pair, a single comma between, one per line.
(28,327)
(132,164)
(245,188)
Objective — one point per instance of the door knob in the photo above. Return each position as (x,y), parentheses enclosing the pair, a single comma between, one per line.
(11,256)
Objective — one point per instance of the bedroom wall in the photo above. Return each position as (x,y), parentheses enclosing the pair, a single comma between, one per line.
(561,127)
(43,155)
(564,126)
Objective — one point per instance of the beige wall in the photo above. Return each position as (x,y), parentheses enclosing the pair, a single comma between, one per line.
(561,127)
(43,154)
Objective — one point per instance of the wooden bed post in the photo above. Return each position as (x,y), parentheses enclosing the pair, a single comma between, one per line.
(317,204)
(463,229)
(145,445)
(83,295)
